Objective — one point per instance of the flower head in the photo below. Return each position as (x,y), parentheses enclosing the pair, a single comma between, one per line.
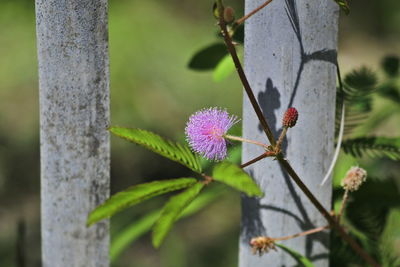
(354,178)
(205,132)
(262,244)
(290,117)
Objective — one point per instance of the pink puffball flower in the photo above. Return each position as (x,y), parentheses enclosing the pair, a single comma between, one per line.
(205,132)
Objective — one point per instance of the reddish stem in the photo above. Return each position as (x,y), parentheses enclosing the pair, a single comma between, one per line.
(242,19)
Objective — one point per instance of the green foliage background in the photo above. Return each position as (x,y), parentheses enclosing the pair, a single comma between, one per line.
(151,43)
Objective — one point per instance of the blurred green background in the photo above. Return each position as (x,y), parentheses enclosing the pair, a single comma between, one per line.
(151,43)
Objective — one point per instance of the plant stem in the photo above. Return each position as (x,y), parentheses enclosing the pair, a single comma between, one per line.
(344,200)
(280,140)
(207,179)
(309,232)
(282,161)
(242,19)
(334,223)
(232,50)
(262,156)
(237,138)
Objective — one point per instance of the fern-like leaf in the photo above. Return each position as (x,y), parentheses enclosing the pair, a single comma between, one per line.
(132,232)
(230,174)
(355,91)
(136,194)
(370,217)
(373,147)
(341,254)
(359,82)
(177,152)
(391,66)
(171,212)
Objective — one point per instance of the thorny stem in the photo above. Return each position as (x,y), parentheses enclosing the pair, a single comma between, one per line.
(309,232)
(242,76)
(282,161)
(237,138)
(344,200)
(242,19)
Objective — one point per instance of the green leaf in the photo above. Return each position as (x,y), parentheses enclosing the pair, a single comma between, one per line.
(235,177)
(343,6)
(171,212)
(301,260)
(360,82)
(357,112)
(343,164)
(131,233)
(177,152)
(207,58)
(373,147)
(391,91)
(391,65)
(136,194)
(356,93)
(368,212)
(341,254)
(389,250)
(224,68)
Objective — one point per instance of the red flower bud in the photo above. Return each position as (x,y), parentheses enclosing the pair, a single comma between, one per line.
(290,117)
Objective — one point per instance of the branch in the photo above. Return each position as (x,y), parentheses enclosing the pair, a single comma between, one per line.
(242,19)
(334,223)
(262,156)
(309,232)
(282,161)
(242,76)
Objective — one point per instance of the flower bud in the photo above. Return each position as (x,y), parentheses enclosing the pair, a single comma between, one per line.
(215,11)
(354,178)
(229,14)
(290,117)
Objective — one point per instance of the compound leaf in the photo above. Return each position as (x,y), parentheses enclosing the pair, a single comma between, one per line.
(224,68)
(124,238)
(177,152)
(373,147)
(171,212)
(207,58)
(235,177)
(136,194)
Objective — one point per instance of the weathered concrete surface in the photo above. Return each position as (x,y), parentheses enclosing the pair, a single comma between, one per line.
(290,57)
(74,113)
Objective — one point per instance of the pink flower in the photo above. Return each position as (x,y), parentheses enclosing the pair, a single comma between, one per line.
(205,132)
(290,118)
